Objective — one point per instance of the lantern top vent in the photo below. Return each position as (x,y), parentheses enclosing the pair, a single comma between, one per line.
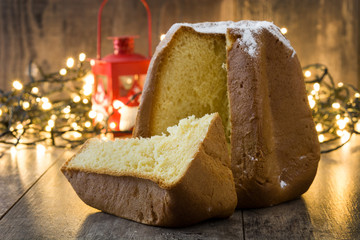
(123,50)
(123,45)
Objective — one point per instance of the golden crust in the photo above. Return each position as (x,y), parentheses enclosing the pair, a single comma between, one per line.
(275,151)
(206,190)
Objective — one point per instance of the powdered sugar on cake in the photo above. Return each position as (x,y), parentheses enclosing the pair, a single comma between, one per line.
(248,41)
(248,30)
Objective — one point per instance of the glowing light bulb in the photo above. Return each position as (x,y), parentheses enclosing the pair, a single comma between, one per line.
(63,72)
(76,134)
(118,104)
(77,99)
(112,125)
(26,105)
(339,133)
(74,125)
(316,87)
(20,128)
(92,114)
(82,57)
(1,112)
(85,101)
(283,30)
(48,128)
(87,124)
(38,99)
(357,126)
(88,86)
(35,90)
(89,79)
(162,36)
(307,73)
(100,117)
(312,102)
(321,138)
(51,123)
(357,95)
(92,62)
(87,90)
(67,109)
(17,85)
(336,105)
(319,127)
(340,84)
(341,123)
(44,99)
(46,105)
(345,137)
(70,62)
(337,116)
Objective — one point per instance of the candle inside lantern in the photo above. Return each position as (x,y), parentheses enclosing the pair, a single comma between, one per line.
(128,117)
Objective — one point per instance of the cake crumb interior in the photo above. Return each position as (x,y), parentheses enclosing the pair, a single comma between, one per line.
(163,159)
(191,80)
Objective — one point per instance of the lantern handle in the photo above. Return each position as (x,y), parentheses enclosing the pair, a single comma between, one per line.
(98,56)
(149,25)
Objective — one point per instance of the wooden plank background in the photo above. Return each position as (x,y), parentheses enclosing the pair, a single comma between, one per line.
(49,31)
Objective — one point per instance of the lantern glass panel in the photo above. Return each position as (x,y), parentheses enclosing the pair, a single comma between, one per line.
(127,81)
(131,84)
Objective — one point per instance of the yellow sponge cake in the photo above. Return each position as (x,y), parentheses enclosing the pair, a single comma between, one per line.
(173,180)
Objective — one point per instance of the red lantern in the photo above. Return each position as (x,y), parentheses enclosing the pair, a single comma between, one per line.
(118,79)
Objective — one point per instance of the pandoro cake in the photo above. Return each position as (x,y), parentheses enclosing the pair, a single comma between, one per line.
(248,72)
(173,181)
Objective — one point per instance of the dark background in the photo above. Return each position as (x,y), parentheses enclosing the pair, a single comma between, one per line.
(50,31)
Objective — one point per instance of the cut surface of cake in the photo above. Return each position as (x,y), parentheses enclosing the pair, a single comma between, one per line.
(249,73)
(173,180)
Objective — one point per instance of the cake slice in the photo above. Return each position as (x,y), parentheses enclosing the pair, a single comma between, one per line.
(249,73)
(172,181)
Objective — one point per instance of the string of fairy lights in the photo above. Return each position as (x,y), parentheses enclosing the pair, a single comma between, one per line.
(335,107)
(51,109)
(55,109)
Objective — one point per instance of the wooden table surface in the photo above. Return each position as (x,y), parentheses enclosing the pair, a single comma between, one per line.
(37,202)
